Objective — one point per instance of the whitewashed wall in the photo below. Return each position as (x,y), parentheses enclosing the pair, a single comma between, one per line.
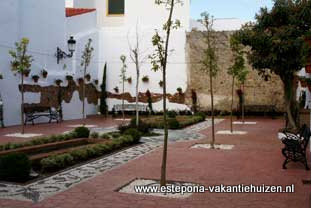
(45,25)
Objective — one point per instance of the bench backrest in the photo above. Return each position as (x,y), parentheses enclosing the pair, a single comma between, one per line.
(305,133)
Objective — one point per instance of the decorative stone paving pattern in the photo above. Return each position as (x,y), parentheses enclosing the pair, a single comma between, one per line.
(47,187)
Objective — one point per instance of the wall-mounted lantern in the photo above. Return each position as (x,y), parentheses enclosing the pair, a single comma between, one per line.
(71,47)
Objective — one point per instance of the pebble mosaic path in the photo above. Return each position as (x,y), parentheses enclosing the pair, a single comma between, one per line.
(39,190)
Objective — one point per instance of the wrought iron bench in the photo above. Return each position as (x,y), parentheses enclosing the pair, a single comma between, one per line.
(295,146)
(130,107)
(34,112)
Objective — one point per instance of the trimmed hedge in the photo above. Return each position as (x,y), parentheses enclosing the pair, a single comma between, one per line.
(45,140)
(82,132)
(57,162)
(175,123)
(14,167)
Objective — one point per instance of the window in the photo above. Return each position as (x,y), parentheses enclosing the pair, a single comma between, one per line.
(115,7)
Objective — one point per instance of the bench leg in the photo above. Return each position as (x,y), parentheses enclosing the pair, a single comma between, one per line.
(284,164)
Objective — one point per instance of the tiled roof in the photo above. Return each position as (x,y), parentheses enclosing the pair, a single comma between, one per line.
(77,11)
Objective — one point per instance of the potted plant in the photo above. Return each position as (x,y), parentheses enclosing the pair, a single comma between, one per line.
(308,68)
(161,83)
(58,82)
(88,77)
(116,89)
(80,81)
(129,80)
(145,79)
(35,78)
(44,73)
(179,90)
(26,72)
(96,81)
(69,77)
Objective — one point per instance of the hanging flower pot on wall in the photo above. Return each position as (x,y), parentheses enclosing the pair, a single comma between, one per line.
(44,73)
(308,69)
(145,79)
(35,78)
(116,89)
(161,83)
(303,83)
(26,72)
(179,90)
(69,77)
(88,77)
(58,82)
(129,80)
(80,81)
(96,81)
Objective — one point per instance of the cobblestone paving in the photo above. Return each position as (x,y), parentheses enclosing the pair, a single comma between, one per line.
(50,186)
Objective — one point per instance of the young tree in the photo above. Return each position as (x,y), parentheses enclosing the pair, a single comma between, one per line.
(86,60)
(123,79)
(237,70)
(277,44)
(159,62)
(21,63)
(135,55)
(103,94)
(209,61)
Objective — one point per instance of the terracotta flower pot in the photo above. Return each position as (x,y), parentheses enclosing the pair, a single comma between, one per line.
(44,74)
(35,78)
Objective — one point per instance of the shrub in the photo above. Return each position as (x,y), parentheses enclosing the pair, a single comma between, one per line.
(171,114)
(173,123)
(104,136)
(142,127)
(134,133)
(94,135)
(14,167)
(82,132)
(56,162)
(201,114)
(123,128)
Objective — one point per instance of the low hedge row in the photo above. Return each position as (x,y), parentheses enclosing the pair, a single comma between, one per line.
(175,123)
(80,132)
(57,162)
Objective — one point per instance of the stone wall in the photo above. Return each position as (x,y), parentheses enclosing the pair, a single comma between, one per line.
(258,91)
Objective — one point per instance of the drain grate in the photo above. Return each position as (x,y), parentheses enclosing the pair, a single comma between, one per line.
(306,182)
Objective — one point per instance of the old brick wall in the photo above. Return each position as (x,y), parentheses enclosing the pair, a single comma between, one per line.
(258,91)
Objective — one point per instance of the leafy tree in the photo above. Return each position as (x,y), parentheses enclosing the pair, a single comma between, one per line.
(103,94)
(123,79)
(237,69)
(21,63)
(209,61)
(277,44)
(159,62)
(86,60)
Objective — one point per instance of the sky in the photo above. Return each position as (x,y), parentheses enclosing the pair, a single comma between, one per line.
(242,9)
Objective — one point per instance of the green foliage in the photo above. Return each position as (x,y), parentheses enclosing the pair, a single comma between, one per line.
(57,162)
(82,132)
(136,135)
(149,100)
(143,127)
(39,141)
(171,114)
(237,69)
(94,135)
(87,54)
(201,114)
(14,167)
(21,61)
(210,58)
(173,123)
(277,44)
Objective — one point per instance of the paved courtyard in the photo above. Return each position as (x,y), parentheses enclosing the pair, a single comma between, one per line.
(255,159)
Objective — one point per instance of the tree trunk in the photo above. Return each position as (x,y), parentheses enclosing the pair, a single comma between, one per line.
(83,95)
(22,106)
(288,97)
(137,83)
(231,114)
(164,157)
(243,102)
(123,116)
(212,109)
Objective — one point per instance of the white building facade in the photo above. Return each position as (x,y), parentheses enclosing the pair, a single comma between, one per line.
(48,25)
